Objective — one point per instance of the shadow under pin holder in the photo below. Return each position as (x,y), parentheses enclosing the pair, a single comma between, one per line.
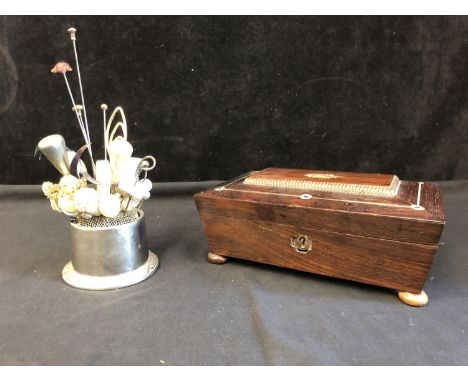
(109,253)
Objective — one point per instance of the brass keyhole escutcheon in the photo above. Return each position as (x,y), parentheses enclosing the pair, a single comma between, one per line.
(301,243)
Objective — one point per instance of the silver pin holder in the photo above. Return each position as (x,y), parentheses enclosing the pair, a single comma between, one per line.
(109,253)
(108,242)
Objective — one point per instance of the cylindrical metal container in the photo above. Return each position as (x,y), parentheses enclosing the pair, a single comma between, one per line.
(109,253)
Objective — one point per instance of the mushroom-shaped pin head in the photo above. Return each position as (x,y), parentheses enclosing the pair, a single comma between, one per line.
(61,67)
(103,107)
(72,32)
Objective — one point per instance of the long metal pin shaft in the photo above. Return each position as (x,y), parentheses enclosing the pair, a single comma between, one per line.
(84,106)
(104,109)
(80,117)
(105,143)
(80,122)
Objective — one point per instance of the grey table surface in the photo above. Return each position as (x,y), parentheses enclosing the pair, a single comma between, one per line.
(195,313)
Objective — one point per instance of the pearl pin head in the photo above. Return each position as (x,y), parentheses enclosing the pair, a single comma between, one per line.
(72,32)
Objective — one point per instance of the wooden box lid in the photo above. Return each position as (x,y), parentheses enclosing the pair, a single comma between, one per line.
(376,205)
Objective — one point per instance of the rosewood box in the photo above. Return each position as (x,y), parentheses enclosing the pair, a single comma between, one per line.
(371,228)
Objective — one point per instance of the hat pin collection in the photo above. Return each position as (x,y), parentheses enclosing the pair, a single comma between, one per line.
(108,234)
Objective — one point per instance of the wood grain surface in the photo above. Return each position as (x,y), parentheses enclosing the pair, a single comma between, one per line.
(386,263)
(384,241)
(387,218)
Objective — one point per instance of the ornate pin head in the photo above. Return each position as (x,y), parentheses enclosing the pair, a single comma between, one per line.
(72,32)
(61,67)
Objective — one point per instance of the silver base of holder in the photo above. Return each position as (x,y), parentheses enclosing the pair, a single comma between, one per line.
(81,281)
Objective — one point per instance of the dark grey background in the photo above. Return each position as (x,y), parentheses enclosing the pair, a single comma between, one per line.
(214,97)
(191,312)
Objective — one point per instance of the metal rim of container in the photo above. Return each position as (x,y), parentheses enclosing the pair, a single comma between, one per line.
(139,212)
(81,281)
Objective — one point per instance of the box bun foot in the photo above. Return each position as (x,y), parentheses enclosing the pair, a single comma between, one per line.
(414,299)
(216,259)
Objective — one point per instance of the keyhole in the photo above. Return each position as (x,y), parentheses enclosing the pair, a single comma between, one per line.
(301,243)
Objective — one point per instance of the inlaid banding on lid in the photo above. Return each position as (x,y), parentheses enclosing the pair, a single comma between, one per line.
(350,183)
